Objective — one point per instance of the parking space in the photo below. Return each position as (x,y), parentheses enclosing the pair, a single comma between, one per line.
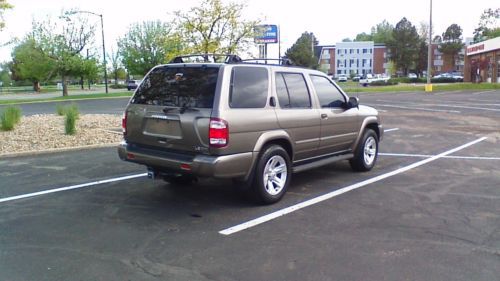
(430,210)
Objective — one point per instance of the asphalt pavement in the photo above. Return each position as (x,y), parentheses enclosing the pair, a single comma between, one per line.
(429,210)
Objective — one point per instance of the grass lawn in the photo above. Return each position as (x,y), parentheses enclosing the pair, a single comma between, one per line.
(70,97)
(353,87)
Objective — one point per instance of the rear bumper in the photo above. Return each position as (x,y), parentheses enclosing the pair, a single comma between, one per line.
(225,166)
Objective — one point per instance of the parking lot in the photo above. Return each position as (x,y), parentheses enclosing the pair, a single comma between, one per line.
(429,210)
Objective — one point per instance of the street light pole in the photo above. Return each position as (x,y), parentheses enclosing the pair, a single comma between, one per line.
(104,55)
(428,87)
(103,45)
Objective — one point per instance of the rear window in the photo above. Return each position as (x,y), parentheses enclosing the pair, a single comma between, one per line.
(248,87)
(178,86)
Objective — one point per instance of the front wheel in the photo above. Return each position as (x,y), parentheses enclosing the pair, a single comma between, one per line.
(366,152)
(272,175)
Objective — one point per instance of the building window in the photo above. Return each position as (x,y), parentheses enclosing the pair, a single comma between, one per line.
(371,51)
(338,51)
(365,51)
(351,51)
(363,64)
(357,50)
(370,63)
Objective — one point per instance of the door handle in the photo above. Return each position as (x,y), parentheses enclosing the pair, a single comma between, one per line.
(324,116)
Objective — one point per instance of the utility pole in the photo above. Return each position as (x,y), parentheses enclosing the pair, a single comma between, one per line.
(428,86)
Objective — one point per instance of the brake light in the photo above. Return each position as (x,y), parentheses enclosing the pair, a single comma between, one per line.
(218,132)
(124,123)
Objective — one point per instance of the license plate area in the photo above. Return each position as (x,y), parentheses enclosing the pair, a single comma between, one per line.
(162,126)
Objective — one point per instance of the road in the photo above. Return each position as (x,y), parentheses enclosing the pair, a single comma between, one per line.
(438,220)
(86,106)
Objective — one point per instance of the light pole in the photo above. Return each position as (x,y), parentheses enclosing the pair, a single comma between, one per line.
(103,46)
(428,87)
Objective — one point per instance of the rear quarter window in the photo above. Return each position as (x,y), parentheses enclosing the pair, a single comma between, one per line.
(249,87)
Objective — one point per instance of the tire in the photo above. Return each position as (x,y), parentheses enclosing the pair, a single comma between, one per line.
(272,175)
(366,153)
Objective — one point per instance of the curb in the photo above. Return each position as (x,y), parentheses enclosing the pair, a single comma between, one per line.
(55,150)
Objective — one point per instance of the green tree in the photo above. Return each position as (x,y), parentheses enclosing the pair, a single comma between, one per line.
(363,36)
(87,69)
(452,42)
(488,26)
(30,63)
(4,5)
(347,39)
(148,44)
(215,27)
(404,46)
(63,41)
(380,33)
(301,53)
(114,58)
(5,75)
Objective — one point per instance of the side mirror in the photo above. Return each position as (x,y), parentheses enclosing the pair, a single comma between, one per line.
(353,102)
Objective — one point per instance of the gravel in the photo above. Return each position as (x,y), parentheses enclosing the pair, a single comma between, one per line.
(46,132)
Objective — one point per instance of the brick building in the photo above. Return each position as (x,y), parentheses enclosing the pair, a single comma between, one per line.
(369,57)
(482,62)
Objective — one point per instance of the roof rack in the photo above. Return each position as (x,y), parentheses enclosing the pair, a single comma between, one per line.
(282,61)
(197,58)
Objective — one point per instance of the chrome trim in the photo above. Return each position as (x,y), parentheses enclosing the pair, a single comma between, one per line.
(307,140)
(163,117)
(338,136)
(322,155)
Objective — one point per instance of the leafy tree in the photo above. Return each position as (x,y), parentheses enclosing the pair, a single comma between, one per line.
(437,39)
(215,27)
(5,76)
(404,46)
(63,42)
(452,42)
(3,6)
(301,53)
(347,39)
(363,36)
(421,62)
(148,44)
(88,69)
(380,33)
(30,63)
(488,26)
(114,58)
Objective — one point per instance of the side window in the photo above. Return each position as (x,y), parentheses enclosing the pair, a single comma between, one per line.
(248,87)
(292,90)
(328,94)
(282,92)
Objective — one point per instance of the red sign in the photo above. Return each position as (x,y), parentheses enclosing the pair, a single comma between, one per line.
(475,49)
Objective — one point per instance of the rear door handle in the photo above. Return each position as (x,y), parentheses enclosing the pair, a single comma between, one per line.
(324,116)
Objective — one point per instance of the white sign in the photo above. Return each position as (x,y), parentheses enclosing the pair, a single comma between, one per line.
(483,47)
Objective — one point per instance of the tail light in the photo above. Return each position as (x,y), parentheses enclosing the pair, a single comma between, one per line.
(124,124)
(218,133)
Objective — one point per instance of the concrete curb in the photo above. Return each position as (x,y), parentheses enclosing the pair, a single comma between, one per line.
(55,150)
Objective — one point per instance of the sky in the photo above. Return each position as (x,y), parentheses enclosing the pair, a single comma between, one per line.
(330,21)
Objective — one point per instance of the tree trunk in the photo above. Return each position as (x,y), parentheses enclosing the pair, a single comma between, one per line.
(82,83)
(65,86)
(116,77)
(36,86)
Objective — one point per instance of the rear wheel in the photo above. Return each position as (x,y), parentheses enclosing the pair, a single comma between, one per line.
(272,175)
(365,155)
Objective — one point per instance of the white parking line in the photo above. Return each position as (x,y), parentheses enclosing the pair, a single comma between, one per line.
(447,157)
(43,192)
(414,108)
(293,208)
(483,92)
(391,130)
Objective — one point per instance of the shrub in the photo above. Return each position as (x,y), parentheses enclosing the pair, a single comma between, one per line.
(444,80)
(384,83)
(71,115)
(60,109)
(10,117)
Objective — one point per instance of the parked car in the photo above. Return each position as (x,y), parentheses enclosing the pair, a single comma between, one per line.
(370,78)
(221,120)
(412,75)
(132,84)
(342,78)
(356,78)
(454,76)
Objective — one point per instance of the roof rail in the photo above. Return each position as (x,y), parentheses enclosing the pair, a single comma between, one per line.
(221,58)
(282,61)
